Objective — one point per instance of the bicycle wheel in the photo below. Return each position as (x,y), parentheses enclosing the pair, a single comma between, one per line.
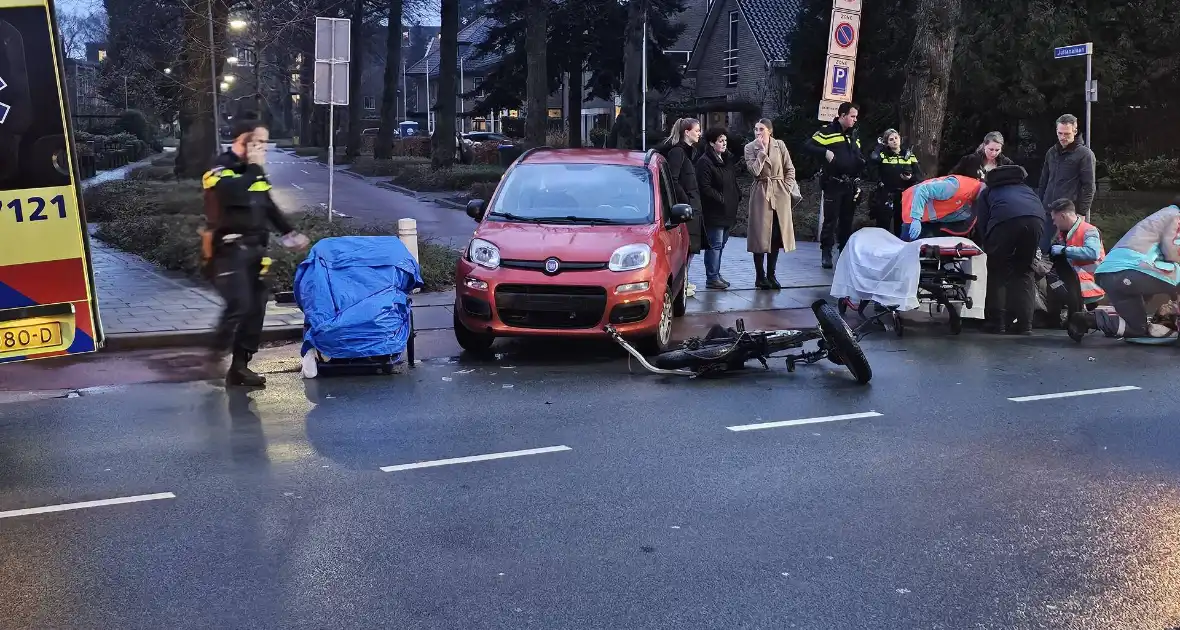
(842,344)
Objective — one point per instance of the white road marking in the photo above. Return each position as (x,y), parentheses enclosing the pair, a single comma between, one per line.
(297,186)
(793,423)
(305,172)
(475,458)
(87,504)
(1080,392)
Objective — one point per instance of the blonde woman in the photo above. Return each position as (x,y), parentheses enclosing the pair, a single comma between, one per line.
(680,150)
(770,226)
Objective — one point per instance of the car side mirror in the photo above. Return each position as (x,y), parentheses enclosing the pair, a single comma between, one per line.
(475,209)
(681,213)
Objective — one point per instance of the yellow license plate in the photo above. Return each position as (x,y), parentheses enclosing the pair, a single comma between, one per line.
(30,337)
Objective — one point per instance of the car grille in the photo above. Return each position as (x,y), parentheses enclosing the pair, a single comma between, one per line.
(539,265)
(550,306)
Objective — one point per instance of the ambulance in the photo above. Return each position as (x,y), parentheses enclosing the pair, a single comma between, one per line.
(48,306)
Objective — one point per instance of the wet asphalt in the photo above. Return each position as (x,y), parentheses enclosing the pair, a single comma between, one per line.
(953,507)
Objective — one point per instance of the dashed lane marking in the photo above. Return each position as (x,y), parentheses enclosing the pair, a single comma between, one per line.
(475,458)
(87,504)
(1080,392)
(793,423)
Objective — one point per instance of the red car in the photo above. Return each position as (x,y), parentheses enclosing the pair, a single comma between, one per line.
(574,239)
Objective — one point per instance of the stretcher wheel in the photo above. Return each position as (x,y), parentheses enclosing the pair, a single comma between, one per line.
(898,326)
(956,319)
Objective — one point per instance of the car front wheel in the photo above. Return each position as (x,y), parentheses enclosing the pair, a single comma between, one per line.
(470,341)
(661,341)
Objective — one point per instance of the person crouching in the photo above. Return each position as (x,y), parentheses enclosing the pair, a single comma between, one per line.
(1076,251)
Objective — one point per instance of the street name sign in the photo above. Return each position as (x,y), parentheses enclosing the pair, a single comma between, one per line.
(1077,50)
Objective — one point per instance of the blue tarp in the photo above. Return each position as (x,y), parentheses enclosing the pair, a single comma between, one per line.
(354,293)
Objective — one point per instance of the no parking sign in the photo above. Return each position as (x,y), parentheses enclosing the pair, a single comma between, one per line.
(844,35)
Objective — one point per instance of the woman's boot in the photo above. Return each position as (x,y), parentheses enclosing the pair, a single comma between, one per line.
(771,263)
(760,272)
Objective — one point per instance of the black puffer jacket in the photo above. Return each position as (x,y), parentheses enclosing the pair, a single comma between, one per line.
(971,165)
(684,180)
(1006,197)
(720,195)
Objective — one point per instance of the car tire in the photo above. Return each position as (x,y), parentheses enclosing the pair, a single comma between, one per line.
(661,341)
(473,342)
(680,304)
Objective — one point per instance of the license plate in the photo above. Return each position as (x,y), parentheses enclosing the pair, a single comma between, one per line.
(31,337)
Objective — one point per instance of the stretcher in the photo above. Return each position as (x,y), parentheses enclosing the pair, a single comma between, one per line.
(879,270)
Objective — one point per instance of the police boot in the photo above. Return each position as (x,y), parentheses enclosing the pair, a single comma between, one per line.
(241,375)
(825,260)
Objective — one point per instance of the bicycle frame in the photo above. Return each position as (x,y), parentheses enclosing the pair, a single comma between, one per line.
(795,337)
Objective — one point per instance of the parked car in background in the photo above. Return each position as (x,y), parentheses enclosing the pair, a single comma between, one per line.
(571,240)
(487,136)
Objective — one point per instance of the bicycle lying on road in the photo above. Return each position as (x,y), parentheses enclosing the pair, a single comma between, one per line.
(726,350)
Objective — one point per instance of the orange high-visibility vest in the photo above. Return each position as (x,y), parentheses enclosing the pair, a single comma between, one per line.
(937,209)
(1076,237)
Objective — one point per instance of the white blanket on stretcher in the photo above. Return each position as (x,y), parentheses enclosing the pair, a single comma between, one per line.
(876,265)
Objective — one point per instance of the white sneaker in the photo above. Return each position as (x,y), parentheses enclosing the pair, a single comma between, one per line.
(690,289)
(1159,331)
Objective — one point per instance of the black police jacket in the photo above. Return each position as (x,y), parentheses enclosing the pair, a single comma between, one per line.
(849,160)
(238,201)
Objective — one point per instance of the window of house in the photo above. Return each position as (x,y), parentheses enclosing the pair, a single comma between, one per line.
(477,86)
(680,58)
(370,102)
(731,58)
(102,55)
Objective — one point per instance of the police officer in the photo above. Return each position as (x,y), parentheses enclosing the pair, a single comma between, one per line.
(238,213)
(838,147)
(894,170)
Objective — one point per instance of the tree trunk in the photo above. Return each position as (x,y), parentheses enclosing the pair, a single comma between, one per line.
(198,136)
(383,149)
(626,130)
(923,99)
(443,142)
(574,95)
(308,136)
(536,123)
(355,73)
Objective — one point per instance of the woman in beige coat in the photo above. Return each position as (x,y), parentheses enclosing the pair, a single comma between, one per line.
(770,227)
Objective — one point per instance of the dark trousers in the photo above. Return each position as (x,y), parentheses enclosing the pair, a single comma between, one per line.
(237,277)
(1128,292)
(839,210)
(1011,247)
(887,210)
(1069,296)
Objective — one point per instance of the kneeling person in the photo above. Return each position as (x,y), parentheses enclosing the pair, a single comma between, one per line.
(1145,263)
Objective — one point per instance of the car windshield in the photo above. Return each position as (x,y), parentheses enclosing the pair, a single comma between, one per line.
(576,193)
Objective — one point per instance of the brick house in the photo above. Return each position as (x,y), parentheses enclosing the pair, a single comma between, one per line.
(735,71)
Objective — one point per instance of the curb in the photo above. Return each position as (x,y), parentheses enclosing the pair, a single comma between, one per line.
(351,174)
(396,188)
(178,338)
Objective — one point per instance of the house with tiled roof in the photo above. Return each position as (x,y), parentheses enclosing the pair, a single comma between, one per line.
(474,68)
(735,71)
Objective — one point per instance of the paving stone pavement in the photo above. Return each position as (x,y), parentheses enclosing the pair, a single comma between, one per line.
(797,269)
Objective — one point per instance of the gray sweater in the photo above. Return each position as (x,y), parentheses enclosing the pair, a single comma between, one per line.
(1068,174)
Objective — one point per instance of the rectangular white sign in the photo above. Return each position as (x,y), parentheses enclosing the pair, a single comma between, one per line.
(839,75)
(331,83)
(333,39)
(829,110)
(844,34)
(847,5)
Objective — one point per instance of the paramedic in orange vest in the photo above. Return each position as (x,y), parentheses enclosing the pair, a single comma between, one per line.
(939,207)
(1079,245)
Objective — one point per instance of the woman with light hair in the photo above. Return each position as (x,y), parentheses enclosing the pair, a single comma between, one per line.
(894,169)
(987,157)
(770,227)
(680,151)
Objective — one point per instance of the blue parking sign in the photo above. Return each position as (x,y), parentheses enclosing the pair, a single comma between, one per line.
(839,80)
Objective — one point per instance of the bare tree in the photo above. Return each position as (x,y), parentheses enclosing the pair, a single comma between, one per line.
(393,61)
(627,128)
(923,99)
(79,29)
(536,123)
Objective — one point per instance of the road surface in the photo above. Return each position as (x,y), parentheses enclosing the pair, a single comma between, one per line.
(301,182)
(940,496)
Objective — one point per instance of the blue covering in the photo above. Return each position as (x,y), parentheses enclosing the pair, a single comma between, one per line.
(354,292)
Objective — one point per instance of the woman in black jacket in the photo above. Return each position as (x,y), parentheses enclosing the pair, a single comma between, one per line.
(987,157)
(894,170)
(680,152)
(720,196)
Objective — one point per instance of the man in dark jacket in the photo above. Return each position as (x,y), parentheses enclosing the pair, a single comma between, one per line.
(838,148)
(1068,173)
(720,196)
(1009,216)
(239,213)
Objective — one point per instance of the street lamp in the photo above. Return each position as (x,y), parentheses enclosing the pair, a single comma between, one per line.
(429,45)
(229,78)
(237,25)
(167,70)
(233,61)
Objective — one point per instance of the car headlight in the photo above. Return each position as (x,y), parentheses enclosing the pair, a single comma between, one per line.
(630,258)
(483,253)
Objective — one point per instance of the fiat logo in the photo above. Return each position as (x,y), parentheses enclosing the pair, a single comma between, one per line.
(551,265)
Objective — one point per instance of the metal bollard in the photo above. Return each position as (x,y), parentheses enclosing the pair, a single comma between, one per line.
(407,231)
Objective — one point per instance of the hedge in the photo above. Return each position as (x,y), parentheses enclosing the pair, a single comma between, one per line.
(1159,173)
(160,222)
(370,167)
(458,177)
